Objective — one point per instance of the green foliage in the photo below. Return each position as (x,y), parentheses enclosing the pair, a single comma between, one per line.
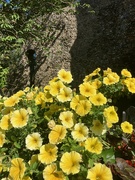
(42,111)
(3,76)
(108,155)
(21,21)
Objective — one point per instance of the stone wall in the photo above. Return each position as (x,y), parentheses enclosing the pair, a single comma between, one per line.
(63,31)
(104,39)
(59,52)
(88,40)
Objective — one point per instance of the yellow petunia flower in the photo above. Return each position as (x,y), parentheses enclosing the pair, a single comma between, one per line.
(80,132)
(96,83)
(34,159)
(55,88)
(111,115)
(127,127)
(1,106)
(5,122)
(30,95)
(27,89)
(94,73)
(51,124)
(36,88)
(126,73)
(87,78)
(2,139)
(40,98)
(33,141)
(67,119)
(65,94)
(48,97)
(97,127)
(29,110)
(1,166)
(50,173)
(70,162)
(86,89)
(76,100)
(109,124)
(107,71)
(19,118)
(57,134)
(99,171)
(111,78)
(20,93)
(83,107)
(98,99)
(131,87)
(127,81)
(17,169)
(93,145)
(7,110)
(11,101)
(65,76)
(48,153)
(52,80)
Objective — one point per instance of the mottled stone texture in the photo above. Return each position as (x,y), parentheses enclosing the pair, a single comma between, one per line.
(61,31)
(85,41)
(104,39)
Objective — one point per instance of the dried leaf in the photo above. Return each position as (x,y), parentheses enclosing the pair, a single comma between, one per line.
(125,171)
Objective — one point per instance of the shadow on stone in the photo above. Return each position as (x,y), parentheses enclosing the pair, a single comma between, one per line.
(21,75)
(105,38)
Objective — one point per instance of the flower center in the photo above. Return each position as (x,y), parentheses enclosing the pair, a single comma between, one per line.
(126,127)
(98,99)
(87,90)
(97,124)
(98,177)
(56,174)
(92,146)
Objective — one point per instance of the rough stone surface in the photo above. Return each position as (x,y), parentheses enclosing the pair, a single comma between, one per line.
(59,53)
(63,31)
(104,39)
(87,40)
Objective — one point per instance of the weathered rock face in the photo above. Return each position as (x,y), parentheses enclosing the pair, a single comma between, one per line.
(63,31)
(104,39)
(89,40)
(59,52)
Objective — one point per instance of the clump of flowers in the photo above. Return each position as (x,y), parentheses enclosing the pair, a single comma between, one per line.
(56,133)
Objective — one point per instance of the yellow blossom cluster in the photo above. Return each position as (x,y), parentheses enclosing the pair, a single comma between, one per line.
(56,133)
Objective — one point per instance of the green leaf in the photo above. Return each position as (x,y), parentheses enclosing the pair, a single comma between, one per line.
(77,148)
(17,145)
(34,166)
(13,138)
(108,155)
(65,147)
(91,162)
